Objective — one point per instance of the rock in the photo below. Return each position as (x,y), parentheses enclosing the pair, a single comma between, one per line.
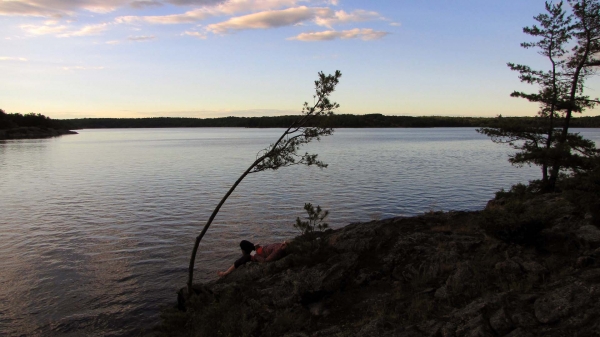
(476,327)
(533,267)
(471,310)
(524,320)
(500,322)
(589,233)
(373,328)
(448,330)
(400,278)
(431,327)
(297,334)
(584,261)
(458,281)
(318,309)
(560,303)
(441,293)
(508,267)
(519,332)
(591,275)
(579,319)
(332,331)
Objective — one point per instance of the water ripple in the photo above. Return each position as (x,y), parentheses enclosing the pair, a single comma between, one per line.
(96,229)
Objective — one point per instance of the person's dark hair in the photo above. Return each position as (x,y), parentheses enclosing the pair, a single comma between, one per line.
(247,246)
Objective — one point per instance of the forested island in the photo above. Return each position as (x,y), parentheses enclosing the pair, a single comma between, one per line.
(334,121)
(32,125)
(28,126)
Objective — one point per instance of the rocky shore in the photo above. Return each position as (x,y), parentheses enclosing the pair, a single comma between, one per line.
(438,274)
(33,133)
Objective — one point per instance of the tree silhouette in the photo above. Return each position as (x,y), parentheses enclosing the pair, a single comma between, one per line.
(284,152)
(560,92)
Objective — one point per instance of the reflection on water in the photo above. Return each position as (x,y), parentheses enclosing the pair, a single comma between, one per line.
(96,229)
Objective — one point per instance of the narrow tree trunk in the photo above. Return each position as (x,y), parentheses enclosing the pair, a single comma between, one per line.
(562,140)
(209,222)
(216,210)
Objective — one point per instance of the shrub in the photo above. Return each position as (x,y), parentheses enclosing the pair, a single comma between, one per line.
(520,191)
(314,221)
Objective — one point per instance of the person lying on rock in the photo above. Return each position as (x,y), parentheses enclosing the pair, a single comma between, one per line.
(267,253)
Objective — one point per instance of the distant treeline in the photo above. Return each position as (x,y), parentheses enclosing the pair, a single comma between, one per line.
(17,120)
(336,121)
(30,126)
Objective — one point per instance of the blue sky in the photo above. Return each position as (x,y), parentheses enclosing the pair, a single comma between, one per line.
(211,58)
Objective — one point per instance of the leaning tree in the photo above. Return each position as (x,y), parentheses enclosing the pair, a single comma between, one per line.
(284,152)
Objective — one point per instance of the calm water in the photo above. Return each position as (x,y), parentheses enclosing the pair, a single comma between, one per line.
(96,229)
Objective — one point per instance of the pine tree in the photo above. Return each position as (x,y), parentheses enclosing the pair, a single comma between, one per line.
(547,142)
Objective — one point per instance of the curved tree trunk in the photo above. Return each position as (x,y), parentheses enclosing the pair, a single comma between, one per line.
(280,152)
(216,210)
(209,222)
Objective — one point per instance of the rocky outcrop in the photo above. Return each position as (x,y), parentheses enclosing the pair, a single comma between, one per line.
(32,133)
(438,274)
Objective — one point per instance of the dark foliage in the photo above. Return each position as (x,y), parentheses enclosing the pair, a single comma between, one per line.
(335,121)
(547,142)
(314,220)
(16,120)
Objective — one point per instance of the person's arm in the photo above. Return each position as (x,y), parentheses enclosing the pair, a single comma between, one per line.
(228,271)
(242,260)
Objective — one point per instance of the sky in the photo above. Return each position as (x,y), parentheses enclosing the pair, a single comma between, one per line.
(215,58)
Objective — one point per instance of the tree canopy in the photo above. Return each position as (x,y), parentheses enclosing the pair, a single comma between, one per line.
(569,40)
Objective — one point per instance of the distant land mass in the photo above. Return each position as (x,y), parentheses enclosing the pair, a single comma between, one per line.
(30,126)
(335,121)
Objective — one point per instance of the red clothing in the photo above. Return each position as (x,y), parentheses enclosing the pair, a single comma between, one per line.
(268,253)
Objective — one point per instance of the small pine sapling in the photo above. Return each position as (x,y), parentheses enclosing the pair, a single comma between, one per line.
(314,220)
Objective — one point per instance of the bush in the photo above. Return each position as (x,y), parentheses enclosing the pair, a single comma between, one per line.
(314,220)
(520,191)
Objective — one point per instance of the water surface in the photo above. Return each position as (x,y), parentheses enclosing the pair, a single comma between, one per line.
(96,229)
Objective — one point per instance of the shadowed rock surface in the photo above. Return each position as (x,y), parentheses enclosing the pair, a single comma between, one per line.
(439,274)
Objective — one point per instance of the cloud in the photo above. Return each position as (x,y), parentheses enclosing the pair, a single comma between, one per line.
(141,38)
(218,8)
(57,8)
(192,16)
(268,19)
(233,7)
(145,3)
(195,34)
(87,30)
(342,17)
(18,8)
(64,31)
(395,24)
(44,29)
(113,42)
(328,35)
(6,58)
(194,2)
(81,68)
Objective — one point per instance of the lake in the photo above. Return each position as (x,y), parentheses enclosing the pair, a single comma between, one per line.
(96,229)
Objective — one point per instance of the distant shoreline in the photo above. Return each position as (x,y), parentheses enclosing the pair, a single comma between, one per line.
(335,121)
(33,133)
